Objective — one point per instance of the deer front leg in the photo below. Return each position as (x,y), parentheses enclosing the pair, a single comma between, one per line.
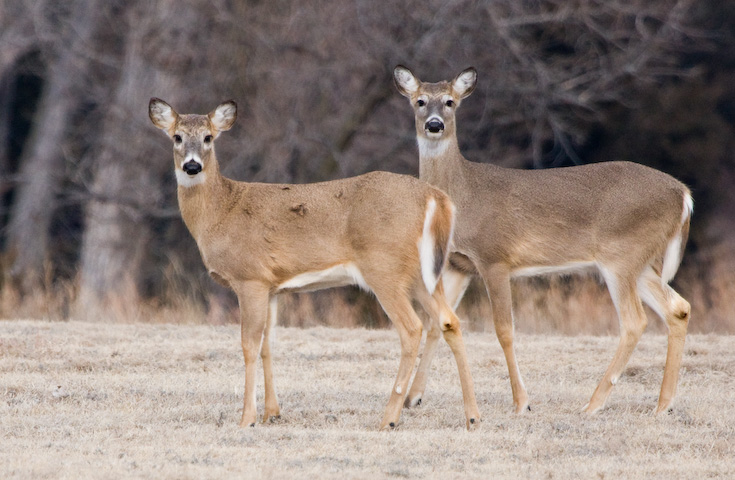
(497,282)
(253,299)
(272,411)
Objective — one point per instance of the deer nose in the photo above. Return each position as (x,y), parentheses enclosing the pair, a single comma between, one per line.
(434,125)
(192,167)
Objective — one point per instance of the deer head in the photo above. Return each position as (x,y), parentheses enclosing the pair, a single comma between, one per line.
(193,137)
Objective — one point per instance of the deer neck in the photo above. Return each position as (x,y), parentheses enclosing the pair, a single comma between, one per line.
(440,161)
(199,196)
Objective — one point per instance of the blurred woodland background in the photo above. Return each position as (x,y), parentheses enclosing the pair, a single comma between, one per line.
(89,225)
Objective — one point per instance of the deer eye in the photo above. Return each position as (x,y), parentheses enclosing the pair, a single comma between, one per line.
(421,103)
(177,138)
(449,103)
(208,139)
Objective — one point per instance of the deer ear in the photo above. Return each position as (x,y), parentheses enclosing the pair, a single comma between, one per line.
(406,83)
(161,114)
(464,84)
(223,117)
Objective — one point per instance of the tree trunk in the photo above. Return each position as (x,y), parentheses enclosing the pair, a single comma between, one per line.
(118,230)
(42,165)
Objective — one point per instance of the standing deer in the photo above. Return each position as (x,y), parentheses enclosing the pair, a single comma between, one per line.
(387,233)
(627,221)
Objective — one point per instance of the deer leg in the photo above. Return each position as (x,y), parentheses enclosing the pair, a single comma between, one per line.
(253,299)
(677,320)
(632,324)
(419,380)
(675,311)
(497,282)
(442,314)
(272,410)
(455,284)
(398,308)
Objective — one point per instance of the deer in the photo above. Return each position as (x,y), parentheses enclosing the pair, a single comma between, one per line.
(624,221)
(388,234)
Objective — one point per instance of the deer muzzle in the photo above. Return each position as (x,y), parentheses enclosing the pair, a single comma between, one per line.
(434,125)
(192,167)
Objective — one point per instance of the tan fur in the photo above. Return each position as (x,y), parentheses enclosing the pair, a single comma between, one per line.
(261,239)
(442,230)
(617,217)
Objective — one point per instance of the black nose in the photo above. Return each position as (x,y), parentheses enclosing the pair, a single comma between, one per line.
(192,168)
(434,125)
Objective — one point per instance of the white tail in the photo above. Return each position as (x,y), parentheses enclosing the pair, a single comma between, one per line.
(675,249)
(432,250)
(387,233)
(627,221)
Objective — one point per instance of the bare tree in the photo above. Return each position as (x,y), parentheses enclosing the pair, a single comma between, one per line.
(125,186)
(561,82)
(42,166)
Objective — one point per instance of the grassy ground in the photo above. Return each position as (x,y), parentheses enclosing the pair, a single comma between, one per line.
(81,400)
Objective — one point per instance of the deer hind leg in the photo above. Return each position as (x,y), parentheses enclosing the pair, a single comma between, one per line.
(272,411)
(418,385)
(632,324)
(454,284)
(253,299)
(397,305)
(675,312)
(497,282)
(444,318)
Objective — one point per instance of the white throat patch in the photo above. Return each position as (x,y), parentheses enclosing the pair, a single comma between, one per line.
(186,180)
(429,148)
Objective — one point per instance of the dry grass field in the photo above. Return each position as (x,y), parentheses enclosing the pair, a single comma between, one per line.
(80,400)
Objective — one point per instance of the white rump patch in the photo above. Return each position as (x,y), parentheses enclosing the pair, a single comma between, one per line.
(431,148)
(186,180)
(426,246)
(336,276)
(398,389)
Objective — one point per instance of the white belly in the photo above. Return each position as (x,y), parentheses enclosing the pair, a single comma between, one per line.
(563,269)
(336,276)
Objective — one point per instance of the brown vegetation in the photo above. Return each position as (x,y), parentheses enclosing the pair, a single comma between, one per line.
(81,400)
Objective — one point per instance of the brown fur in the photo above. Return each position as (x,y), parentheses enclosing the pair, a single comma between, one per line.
(256,237)
(442,231)
(617,216)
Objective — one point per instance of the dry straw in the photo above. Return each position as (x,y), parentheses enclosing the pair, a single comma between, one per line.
(92,400)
